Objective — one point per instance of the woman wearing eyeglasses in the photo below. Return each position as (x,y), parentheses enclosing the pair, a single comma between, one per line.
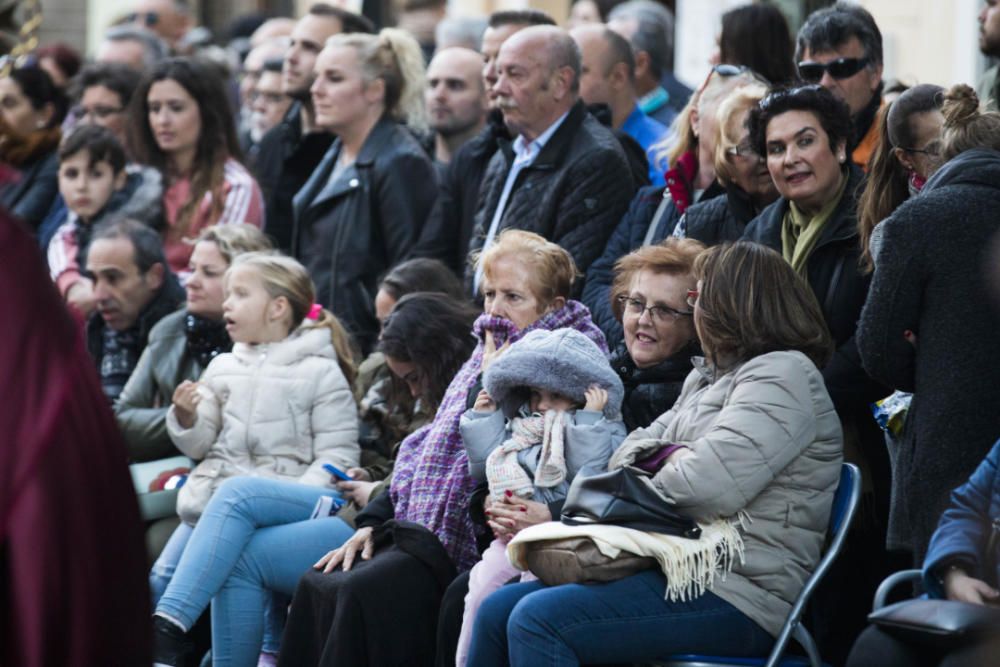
(650,301)
(31,111)
(907,154)
(930,323)
(739,169)
(654,211)
(805,135)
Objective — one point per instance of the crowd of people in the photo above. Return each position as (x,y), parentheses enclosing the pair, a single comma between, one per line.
(396,291)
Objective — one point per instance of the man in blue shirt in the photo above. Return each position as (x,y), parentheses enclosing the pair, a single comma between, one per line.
(607,76)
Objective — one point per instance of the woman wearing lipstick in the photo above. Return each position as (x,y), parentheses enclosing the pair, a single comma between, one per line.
(650,300)
(739,169)
(181,123)
(182,343)
(805,135)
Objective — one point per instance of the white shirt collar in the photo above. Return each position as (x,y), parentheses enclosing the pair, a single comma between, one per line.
(523,150)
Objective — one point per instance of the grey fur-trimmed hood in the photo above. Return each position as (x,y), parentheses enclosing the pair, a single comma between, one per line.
(563,361)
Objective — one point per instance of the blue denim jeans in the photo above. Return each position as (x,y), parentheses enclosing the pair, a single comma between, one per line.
(622,621)
(254,538)
(166,564)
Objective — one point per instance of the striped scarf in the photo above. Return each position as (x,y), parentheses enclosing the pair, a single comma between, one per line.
(505,473)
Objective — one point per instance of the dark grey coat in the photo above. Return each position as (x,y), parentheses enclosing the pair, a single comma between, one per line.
(932,279)
(573,194)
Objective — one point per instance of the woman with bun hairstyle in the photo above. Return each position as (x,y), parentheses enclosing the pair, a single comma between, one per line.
(930,325)
(362,210)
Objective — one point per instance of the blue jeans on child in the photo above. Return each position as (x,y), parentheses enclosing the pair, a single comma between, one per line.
(254,538)
(622,621)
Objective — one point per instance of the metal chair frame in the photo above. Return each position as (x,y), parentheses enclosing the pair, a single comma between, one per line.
(845,505)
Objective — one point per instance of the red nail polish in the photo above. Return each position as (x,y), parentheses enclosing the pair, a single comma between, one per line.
(508,493)
(524,509)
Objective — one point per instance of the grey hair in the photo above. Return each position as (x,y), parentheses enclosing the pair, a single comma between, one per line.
(654,34)
(147,248)
(460,31)
(154,49)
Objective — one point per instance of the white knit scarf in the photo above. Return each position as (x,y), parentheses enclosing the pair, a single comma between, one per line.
(504,472)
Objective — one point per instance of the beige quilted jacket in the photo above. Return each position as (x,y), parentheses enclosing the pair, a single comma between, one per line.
(763,440)
(279,410)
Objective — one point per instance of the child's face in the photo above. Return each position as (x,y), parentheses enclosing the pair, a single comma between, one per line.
(543,400)
(247,309)
(87,187)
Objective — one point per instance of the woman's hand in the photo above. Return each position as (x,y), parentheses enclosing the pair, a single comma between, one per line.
(186,399)
(359,474)
(357,492)
(361,541)
(512,514)
(597,398)
(484,403)
(490,351)
(963,588)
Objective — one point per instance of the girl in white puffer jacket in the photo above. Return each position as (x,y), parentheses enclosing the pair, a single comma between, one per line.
(280,405)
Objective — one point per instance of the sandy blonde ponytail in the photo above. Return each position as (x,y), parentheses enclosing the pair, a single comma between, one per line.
(343,345)
(966,126)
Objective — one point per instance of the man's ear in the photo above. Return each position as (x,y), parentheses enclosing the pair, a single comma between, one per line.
(641,64)
(155,275)
(619,76)
(562,81)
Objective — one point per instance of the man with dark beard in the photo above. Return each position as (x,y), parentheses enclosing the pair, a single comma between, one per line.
(455,99)
(989,44)
(289,153)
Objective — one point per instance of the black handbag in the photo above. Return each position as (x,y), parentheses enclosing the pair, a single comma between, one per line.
(624,497)
(941,623)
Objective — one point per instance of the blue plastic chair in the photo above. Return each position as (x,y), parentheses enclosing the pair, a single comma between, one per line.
(845,504)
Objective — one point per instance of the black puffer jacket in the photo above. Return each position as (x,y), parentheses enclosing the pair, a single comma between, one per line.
(573,194)
(351,230)
(719,219)
(649,392)
(933,278)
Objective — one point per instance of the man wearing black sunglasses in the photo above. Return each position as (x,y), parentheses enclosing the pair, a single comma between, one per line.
(840,48)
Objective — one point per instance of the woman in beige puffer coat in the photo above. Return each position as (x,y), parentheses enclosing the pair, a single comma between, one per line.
(752,439)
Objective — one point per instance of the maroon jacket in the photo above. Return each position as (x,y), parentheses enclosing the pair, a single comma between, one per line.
(73,586)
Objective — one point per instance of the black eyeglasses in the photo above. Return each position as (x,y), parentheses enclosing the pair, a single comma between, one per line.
(659,314)
(932,149)
(744,150)
(97,111)
(841,68)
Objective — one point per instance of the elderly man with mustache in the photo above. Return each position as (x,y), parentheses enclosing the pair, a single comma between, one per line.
(564,176)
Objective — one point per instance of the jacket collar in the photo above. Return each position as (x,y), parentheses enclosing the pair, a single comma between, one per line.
(319,189)
(841,226)
(559,143)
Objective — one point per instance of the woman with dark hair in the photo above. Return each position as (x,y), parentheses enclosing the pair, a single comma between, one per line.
(723,454)
(256,536)
(757,36)
(31,111)
(181,123)
(389,408)
(907,154)
(805,134)
(929,325)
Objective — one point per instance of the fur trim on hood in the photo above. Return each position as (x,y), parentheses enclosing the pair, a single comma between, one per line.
(563,361)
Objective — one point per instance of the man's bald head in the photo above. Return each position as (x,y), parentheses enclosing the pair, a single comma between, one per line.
(553,46)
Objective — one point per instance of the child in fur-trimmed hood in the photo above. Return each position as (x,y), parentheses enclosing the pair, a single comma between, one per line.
(550,410)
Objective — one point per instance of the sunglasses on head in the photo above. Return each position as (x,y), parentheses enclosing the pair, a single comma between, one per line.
(841,68)
(784,93)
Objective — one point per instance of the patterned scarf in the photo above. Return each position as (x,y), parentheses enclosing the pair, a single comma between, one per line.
(505,473)
(430,481)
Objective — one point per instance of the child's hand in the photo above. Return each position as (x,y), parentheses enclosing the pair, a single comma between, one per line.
(597,398)
(484,403)
(186,399)
(81,296)
(359,474)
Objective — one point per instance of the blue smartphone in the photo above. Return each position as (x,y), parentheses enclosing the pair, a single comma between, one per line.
(337,472)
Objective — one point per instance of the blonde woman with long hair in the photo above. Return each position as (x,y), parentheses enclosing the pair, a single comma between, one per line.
(364,206)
